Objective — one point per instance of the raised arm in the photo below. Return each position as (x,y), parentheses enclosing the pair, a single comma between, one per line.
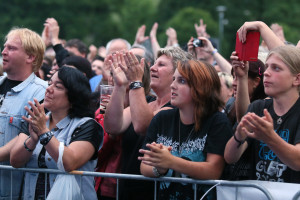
(201,29)
(224,65)
(267,34)
(240,69)
(117,119)
(141,114)
(154,42)
(172,37)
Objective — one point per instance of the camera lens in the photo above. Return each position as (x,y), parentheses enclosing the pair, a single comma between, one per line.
(198,43)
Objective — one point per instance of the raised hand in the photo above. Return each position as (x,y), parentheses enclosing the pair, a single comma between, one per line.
(53,30)
(135,70)
(140,35)
(240,68)
(172,36)
(118,68)
(201,29)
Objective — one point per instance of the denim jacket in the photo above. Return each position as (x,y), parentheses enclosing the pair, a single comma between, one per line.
(63,133)
(11,113)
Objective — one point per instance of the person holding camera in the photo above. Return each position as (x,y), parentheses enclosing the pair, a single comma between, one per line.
(202,49)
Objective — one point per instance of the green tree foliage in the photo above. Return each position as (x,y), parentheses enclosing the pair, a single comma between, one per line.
(183,22)
(99,21)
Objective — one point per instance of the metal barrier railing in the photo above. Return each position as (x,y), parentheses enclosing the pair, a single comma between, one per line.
(118,176)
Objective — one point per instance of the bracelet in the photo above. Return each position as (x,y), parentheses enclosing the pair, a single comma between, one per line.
(156,172)
(26,147)
(135,85)
(45,138)
(238,141)
(214,51)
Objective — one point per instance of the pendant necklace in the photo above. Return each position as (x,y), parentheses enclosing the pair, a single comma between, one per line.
(279,120)
(188,137)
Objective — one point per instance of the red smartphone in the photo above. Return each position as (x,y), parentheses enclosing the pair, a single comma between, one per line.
(248,51)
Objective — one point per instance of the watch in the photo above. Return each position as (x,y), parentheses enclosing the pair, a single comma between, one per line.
(135,85)
(46,137)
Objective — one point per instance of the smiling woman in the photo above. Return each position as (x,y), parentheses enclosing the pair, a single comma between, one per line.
(69,121)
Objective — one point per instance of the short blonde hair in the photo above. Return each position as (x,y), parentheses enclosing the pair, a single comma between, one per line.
(32,44)
(176,54)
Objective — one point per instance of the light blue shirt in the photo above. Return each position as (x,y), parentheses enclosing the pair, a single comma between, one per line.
(11,113)
(63,133)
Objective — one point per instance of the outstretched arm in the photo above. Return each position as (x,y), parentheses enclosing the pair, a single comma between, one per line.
(241,74)
(172,37)
(154,42)
(267,34)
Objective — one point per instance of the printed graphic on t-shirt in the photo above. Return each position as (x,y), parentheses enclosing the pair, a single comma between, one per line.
(191,150)
(269,167)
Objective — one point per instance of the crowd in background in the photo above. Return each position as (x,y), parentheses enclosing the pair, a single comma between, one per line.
(176,111)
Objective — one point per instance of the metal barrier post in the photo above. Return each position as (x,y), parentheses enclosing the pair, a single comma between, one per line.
(117,193)
(296,196)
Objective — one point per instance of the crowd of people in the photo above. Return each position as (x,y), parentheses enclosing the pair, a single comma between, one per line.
(174,112)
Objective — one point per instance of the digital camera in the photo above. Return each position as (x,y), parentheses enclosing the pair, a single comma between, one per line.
(198,43)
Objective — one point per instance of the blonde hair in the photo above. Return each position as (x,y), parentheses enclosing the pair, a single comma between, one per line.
(32,44)
(176,54)
(290,55)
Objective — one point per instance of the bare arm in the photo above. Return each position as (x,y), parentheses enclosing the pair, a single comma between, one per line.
(154,42)
(141,113)
(212,168)
(117,119)
(224,65)
(234,150)
(267,34)
(6,149)
(75,155)
(241,74)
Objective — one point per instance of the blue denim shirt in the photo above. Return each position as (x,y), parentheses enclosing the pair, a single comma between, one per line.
(11,113)
(63,133)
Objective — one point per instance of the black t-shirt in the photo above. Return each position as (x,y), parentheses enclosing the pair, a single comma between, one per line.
(268,167)
(211,138)
(5,87)
(131,143)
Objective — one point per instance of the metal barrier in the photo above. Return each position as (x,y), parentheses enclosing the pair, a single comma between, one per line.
(118,176)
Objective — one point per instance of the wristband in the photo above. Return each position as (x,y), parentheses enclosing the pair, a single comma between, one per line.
(135,85)
(214,51)
(46,137)
(238,141)
(26,147)
(156,172)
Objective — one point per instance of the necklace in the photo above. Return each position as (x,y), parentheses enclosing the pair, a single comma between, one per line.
(279,120)
(180,146)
